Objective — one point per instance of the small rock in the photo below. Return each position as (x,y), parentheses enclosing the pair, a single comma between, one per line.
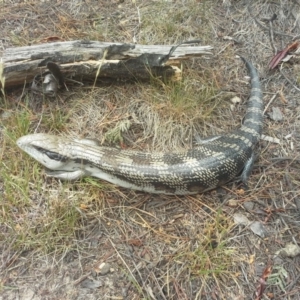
(104,268)
(248,205)
(290,250)
(276,114)
(240,219)
(91,283)
(233,203)
(235,100)
(259,229)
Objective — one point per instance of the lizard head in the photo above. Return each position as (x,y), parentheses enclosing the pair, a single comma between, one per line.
(44,148)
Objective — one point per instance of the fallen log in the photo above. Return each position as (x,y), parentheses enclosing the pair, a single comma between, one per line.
(91,60)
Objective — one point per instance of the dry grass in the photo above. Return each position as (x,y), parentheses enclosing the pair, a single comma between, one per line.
(158,247)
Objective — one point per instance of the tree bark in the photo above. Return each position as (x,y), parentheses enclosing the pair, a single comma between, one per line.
(93,60)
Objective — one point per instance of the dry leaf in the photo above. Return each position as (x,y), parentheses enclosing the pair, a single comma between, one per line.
(258,228)
(240,219)
(282,54)
(262,282)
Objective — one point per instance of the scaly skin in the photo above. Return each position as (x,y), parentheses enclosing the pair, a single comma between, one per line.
(199,169)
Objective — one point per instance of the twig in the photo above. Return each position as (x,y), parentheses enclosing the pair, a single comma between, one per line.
(285,158)
(271,31)
(296,198)
(265,27)
(82,278)
(288,80)
(296,18)
(100,65)
(138,27)
(40,120)
(281,216)
(292,284)
(125,264)
(271,100)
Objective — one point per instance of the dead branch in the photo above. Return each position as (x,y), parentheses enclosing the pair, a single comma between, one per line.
(90,60)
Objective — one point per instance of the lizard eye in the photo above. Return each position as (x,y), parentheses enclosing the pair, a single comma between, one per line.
(56,156)
(52,155)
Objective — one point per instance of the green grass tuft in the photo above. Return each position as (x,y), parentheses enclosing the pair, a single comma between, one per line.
(211,256)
